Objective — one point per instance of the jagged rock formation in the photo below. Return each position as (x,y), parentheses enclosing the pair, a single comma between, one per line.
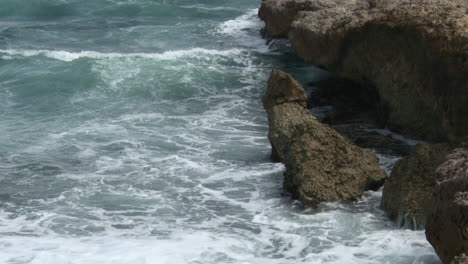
(407,192)
(447,223)
(413,52)
(321,165)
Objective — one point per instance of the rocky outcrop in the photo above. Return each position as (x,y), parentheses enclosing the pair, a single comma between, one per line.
(447,222)
(407,192)
(321,165)
(414,53)
(280,14)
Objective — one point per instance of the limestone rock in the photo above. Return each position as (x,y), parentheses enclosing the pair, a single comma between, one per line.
(407,192)
(282,88)
(447,222)
(321,165)
(280,14)
(414,53)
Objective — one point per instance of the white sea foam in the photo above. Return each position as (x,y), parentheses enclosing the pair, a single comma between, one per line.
(275,235)
(70,56)
(245,29)
(236,26)
(387,162)
(207,8)
(178,173)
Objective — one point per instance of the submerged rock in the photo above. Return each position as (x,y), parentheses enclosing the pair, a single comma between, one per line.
(407,192)
(414,53)
(321,165)
(447,222)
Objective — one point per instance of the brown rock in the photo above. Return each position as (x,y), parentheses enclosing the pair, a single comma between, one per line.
(447,222)
(414,53)
(321,165)
(280,14)
(407,192)
(463,259)
(282,88)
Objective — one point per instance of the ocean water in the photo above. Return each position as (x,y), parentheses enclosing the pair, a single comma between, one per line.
(132,131)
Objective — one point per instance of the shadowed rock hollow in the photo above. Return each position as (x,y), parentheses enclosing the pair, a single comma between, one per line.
(321,165)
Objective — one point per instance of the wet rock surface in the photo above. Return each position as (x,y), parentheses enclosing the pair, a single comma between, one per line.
(407,192)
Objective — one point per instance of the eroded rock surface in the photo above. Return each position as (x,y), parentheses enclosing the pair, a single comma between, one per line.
(463,259)
(447,223)
(321,165)
(280,14)
(413,52)
(407,192)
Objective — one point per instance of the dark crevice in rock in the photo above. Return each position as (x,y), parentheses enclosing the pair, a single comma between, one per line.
(355,112)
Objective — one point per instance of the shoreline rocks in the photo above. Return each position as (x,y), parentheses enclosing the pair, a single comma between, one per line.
(407,192)
(413,53)
(447,222)
(321,165)
(409,59)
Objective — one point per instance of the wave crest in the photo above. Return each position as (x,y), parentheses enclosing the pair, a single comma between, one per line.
(70,56)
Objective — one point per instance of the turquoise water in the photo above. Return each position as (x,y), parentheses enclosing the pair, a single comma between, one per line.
(132,132)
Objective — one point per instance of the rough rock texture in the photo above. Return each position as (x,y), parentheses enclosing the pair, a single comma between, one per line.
(413,52)
(321,165)
(407,192)
(447,222)
(463,259)
(280,14)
